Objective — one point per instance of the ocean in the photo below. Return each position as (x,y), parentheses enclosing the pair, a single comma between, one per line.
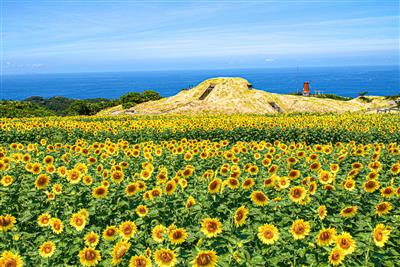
(344,81)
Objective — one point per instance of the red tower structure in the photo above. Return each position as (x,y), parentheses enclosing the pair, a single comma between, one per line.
(306,89)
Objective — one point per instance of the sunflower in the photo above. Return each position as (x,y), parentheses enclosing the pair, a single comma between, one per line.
(348,212)
(325,177)
(170,187)
(190,202)
(371,185)
(270,182)
(6,180)
(158,233)
(240,216)
(100,192)
(294,174)
(326,236)
(131,189)
(10,259)
(205,258)
(42,181)
(74,176)
(388,192)
(47,249)
(89,256)
(312,188)
(110,233)
(282,182)
(297,194)
(87,180)
(142,210)
(211,227)
(381,234)
(127,229)
(119,251)
(346,243)
(117,176)
(383,208)
(248,183)
(7,222)
(233,183)
(395,169)
(57,189)
(315,166)
(165,258)
(259,198)
(253,170)
(268,234)
(336,257)
(91,239)
(44,220)
(78,221)
(139,261)
(178,236)
(56,225)
(349,184)
(214,186)
(300,229)
(322,212)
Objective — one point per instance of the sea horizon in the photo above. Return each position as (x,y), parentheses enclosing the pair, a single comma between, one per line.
(346,81)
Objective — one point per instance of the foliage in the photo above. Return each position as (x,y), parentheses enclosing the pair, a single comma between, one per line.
(133,98)
(17,109)
(333,96)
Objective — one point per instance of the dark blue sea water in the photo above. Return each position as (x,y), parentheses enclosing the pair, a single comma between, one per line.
(345,81)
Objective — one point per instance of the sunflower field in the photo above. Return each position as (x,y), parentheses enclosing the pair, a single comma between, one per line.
(240,190)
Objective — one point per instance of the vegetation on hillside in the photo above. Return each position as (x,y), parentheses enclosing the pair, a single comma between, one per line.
(37,106)
(14,109)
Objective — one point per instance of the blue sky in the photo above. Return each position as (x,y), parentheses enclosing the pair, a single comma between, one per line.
(85,36)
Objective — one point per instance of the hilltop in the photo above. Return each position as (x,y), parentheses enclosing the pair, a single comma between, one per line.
(226,95)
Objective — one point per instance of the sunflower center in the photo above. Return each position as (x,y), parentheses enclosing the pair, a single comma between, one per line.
(166,257)
(325,236)
(299,229)
(79,221)
(382,207)
(5,221)
(213,185)
(212,226)
(110,232)
(127,229)
(336,256)
(11,263)
(140,263)
(344,243)
(239,215)
(47,249)
(177,234)
(260,197)
(100,191)
(90,255)
(268,234)
(203,259)
(378,235)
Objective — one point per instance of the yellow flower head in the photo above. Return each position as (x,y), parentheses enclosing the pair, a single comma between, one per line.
(89,256)
(300,229)
(205,258)
(47,249)
(211,227)
(268,234)
(165,258)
